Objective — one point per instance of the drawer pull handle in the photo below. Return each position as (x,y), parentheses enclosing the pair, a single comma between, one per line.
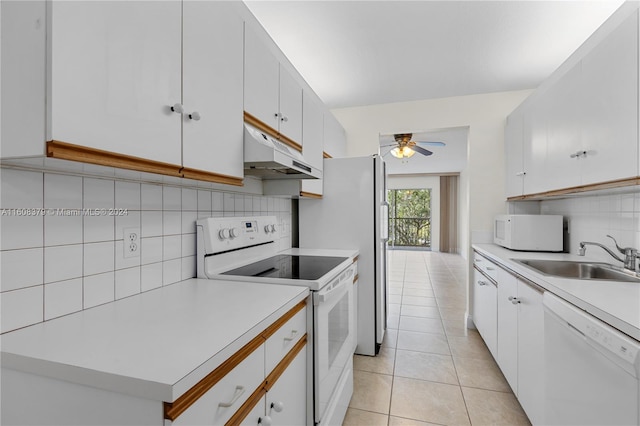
(482,283)
(237,394)
(489,268)
(265,421)
(293,334)
(277,406)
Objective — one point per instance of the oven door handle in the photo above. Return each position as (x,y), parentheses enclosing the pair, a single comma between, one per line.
(333,290)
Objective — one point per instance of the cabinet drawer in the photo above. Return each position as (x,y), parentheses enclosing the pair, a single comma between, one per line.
(223,400)
(284,338)
(486,266)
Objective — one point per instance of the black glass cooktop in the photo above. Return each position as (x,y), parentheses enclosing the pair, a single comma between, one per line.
(289,266)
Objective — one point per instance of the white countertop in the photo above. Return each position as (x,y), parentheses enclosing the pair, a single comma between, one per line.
(614,302)
(155,345)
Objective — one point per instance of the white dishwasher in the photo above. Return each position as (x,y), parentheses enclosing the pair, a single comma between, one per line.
(591,369)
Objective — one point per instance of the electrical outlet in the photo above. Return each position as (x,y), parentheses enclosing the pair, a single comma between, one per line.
(131,237)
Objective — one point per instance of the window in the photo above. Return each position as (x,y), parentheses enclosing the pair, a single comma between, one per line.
(409,218)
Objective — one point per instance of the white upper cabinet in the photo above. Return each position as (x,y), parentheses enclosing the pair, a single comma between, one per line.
(290,107)
(115,72)
(271,94)
(23,47)
(312,141)
(582,129)
(261,80)
(610,107)
(514,140)
(562,105)
(212,65)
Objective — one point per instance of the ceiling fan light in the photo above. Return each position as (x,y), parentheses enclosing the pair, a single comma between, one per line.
(407,152)
(396,152)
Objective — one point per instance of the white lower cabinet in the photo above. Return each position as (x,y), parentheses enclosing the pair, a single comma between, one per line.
(485,310)
(287,400)
(520,337)
(218,405)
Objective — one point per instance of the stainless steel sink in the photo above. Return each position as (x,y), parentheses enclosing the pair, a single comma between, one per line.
(578,270)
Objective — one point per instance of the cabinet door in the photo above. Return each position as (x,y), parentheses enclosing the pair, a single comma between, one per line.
(485,310)
(287,398)
(513,140)
(212,87)
(531,352)
(23,78)
(312,140)
(508,328)
(290,106)
(261,80)
(256,416)
(610,120)
(562,105)
(535,146)
(115,72)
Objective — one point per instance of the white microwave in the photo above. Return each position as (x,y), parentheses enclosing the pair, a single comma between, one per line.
(528,232)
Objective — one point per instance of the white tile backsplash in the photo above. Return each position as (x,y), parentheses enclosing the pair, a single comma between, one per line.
(98,289)
(62,298)
(62,262)
(52,265)
(21,268)
(127,282)
(21,308)
(21,189)
(593,217)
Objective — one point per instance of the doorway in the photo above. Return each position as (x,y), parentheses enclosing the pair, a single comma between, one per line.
(409,218)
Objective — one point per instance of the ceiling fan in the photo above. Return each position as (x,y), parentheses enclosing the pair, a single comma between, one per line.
(405,147)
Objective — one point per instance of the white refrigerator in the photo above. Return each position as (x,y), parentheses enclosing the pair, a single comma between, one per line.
(353,213)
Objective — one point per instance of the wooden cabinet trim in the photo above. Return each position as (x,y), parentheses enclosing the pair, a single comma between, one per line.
(620,183)
(260,125)
(355,279)
(180,405)
(310,194)
(284,363)
(211,177)
(283,320)
(173,409)
(355,259)
(72,152)
(326,155)
(248,405)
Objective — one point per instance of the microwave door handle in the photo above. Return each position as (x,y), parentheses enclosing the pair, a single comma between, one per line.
(324,296)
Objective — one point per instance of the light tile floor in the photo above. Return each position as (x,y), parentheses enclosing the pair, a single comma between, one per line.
(431,369)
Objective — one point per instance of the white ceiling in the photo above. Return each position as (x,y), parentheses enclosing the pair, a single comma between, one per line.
(355,53)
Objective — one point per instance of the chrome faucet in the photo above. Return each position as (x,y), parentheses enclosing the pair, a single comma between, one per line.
(630,254)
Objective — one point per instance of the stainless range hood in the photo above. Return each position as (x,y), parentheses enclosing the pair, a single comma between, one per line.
(268,158)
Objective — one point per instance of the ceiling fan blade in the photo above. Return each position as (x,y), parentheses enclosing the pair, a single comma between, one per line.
(431,143)
(421,150)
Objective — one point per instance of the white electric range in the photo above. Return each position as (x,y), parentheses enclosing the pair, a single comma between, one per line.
(245,249)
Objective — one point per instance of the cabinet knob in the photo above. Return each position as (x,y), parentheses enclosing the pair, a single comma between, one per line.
(265,421)
(284,118)
(277,406)
(195,116)
(514,300)
(177,108)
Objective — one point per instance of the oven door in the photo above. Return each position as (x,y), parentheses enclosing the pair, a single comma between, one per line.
(334,334)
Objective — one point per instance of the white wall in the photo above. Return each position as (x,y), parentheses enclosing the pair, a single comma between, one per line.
(423,182)
(54,264)
(482,182)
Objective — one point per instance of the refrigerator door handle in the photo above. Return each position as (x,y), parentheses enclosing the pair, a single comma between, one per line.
(385,221)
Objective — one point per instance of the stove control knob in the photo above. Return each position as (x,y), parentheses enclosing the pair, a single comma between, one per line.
(223,234)
(267,229)
(273,228)
(235,233)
